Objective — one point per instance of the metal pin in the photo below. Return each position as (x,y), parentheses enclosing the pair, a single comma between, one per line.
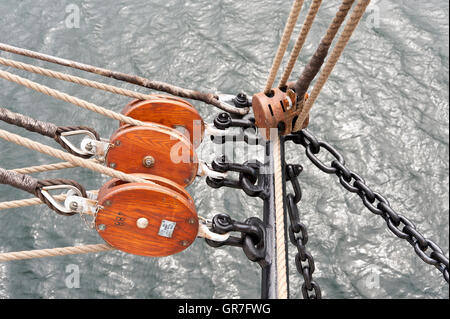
(148,161)
(184,243)
(73,206)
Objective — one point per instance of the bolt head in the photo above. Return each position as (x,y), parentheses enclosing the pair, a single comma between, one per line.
(117,143)
(89,146)
(73,205)
(102,227)
(113,165)
(148,161)
(184,243)
(142,223)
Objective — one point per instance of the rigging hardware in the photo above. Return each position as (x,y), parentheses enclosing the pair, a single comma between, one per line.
(155,220)
(169,111)
(172,154)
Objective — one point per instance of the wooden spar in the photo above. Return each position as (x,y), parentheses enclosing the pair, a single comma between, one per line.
(208,98)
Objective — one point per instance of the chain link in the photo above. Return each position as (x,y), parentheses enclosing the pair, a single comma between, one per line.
(398,224)
(298,236)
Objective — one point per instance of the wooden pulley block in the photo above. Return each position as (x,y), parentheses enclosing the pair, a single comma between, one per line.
(154,220)
(153,150)
(169,111)
(278,110)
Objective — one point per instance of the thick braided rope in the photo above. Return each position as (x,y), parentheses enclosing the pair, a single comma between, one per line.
(279,223)
(309,20)
(290,24)
(351,25)
(19,140)
(74,79)
(45,168)
(64,251)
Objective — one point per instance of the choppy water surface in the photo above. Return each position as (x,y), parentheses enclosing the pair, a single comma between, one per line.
(386,108)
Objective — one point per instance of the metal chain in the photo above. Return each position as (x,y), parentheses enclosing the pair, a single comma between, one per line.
(298,236)
(398,224)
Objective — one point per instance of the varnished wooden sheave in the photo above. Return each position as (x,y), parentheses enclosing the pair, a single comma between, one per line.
(165,203)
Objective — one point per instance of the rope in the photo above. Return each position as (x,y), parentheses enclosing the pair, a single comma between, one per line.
(351,25)
(290,24)
(24,182)
(279,223)
(75,79)
(44,168)
(28,123)
(309,20)
(208,98)
(70,99)
(45,128)
(19,140)
(35,186)
(81,103)
(35,201)
(27,202)
(318,58)
(64,251)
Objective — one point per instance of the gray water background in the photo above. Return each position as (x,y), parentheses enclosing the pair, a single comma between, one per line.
(385,108)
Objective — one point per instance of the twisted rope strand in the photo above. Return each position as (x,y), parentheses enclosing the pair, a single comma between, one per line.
(82,103)
(351,25)
(74,79)
(318,58)
(64,251)
(290,24)
(26,202)
(208,98)
(45,168)
(309,20)
(19,140)
(279,222)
